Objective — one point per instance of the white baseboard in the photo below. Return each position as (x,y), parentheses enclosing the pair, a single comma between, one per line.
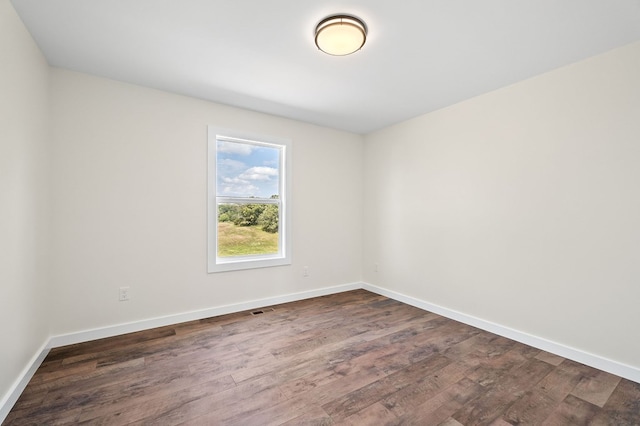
(10,398)
(595,361)
(115,330)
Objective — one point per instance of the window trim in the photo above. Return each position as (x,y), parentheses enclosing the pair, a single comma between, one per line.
(283,257)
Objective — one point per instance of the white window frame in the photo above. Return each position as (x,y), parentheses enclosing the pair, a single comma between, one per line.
(283,257)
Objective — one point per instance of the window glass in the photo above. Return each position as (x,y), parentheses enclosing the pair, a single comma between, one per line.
(247,229)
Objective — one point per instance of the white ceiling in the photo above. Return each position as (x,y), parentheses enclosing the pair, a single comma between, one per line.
(421,55)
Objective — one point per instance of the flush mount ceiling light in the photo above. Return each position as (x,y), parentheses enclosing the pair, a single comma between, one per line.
(341,35)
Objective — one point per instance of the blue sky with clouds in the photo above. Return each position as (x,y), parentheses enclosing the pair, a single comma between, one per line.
(246,170)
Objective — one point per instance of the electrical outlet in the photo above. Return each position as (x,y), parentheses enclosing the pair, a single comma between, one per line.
(124,294)
(305,271)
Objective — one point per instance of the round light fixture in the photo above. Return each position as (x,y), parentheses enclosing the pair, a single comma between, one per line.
(341,35)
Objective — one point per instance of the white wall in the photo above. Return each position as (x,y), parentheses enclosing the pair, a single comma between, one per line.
(520,207)
(130,199)
(24,133)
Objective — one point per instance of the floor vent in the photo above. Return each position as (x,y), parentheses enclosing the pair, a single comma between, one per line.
(262,311)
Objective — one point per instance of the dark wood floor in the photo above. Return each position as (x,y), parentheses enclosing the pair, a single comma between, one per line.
(351,358)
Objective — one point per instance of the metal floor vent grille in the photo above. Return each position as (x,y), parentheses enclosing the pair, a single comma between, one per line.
(262,311)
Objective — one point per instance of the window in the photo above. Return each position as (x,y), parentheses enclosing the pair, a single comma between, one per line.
(248,209)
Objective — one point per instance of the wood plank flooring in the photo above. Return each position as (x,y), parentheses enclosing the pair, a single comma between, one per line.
(354,358)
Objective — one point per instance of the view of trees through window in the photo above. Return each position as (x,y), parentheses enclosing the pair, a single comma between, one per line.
(247,198)
(247,229)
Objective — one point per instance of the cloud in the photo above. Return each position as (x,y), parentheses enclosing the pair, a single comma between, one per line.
(235,181)
(237,187)
(259,173)
(235,148)
(229,165)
